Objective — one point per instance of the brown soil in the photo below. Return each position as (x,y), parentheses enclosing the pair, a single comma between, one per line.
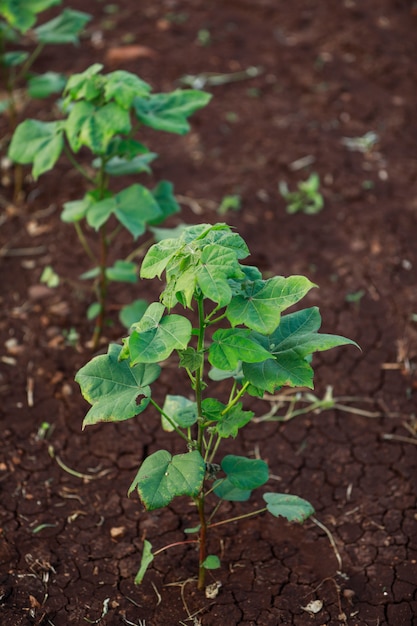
(70,547)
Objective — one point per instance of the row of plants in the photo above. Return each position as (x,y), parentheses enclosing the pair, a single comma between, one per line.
(232,325)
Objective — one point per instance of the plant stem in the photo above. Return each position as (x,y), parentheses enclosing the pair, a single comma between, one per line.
(102,288)
(238,517)
(174,426)
(84,242)
(200,441)
(102,279)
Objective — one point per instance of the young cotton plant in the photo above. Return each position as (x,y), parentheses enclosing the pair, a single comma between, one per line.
(103,113)
(19,28)
(242,336)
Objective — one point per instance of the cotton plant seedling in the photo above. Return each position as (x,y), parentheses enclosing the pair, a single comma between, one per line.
(103,113)
(241,336)
(21,25)
(306,199)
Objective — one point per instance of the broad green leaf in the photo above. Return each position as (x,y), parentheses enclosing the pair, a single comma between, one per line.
(40,143)
(112,387)
(159,234)
(44,85)
(216,265)
(123,87)
(13,59)
(146,560)
(295,339)
(222,235)
(119,166)
(232,345)
(158,257)
(159,338)
(21,14)
(63,29)
(169,112)
(123,272)
(289,370)
(163,194)
(99,212)
(93,311)
(211,562)
(216,374)
(229,424)
(95,126)
(260,304)
(135,208)
(132,313)
(76,210)
(162,477)
(180,410)
(298,332)
(191,359)
(85,85)
(293,508)
(225,490)
(245,473)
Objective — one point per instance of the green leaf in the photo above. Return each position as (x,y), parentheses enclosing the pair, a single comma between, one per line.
(21,14)
(295,339)
(155,337)
(164,196)
(135,208)
(298,332)
(261,302)
(225,490)
(93,311)
(211,562)
(13,59)
(158,257)
(169,112)
(180,410)
(245,473)
(123,87)
(229,424)
(217,264)
(98,213)
(119,166)
(95,126)
(162,477)
(147,558)
(191,359)
(46,84)
(293,508)
(63,29)
(76,210)
(85,85)
(112,387)
(123,272)
(40,143)
(133,312)
(289,370)
(232,345)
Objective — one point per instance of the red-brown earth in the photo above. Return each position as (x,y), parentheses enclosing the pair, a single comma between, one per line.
(70,547)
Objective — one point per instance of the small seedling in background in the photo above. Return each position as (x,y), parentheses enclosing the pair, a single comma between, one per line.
(49,277)
(18,27)
(306,199)
(103,112)
(362,144)
(355,296)
(203,37)
(242,337)
(229,203)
